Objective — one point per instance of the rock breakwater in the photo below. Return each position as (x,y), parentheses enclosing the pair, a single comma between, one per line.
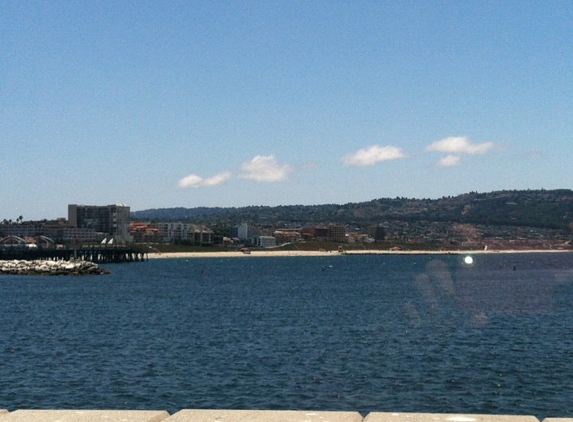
(45,267)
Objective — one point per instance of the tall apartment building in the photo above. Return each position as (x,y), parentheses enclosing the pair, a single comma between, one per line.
(336,233)
(112,220)
(246,232)
(377,232)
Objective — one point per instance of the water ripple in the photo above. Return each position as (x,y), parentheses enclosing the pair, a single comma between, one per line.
(388,333)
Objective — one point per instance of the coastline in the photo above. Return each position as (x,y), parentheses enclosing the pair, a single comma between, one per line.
(267,253)
(236,254)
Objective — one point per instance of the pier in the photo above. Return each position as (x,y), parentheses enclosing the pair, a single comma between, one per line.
(206,415)
(95,254)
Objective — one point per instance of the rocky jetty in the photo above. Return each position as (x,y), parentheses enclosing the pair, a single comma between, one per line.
(45,267)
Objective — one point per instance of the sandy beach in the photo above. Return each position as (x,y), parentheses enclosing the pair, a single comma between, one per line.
(267,253)
(234,254)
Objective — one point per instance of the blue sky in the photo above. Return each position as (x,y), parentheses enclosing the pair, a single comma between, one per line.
(231,103)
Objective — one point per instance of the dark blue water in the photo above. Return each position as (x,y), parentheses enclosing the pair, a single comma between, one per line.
(365,333)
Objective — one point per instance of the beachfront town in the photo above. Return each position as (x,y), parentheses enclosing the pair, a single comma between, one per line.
(111,225)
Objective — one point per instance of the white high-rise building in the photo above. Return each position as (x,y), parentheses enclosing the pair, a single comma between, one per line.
(247,232)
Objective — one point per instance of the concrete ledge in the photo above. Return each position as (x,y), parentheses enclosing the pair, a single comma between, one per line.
(188,415)
(444,417)
(215,415)
(84,416)
(558,420)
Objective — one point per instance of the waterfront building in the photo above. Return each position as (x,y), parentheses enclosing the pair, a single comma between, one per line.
(336,233)
(21,230)
(266,241)
(143,232)
(376,231)
(111,220)
(74,235)
(247,232)
(320,233)
(287,235)
(59,230)
(202,236)
(186,232)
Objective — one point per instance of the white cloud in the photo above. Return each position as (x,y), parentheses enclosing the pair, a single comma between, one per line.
(459,145)
(449,160)
(455,147)
(372,155)
(190,181)
(194,181)
(217,179)
(265,168)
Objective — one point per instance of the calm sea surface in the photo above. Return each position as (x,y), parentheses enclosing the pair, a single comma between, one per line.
(365,333)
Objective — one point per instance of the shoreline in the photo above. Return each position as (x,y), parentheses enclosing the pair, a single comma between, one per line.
(267,253)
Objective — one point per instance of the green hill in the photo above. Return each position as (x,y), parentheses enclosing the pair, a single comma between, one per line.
(551,209)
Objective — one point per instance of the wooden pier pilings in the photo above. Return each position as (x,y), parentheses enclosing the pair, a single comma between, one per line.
(96,254)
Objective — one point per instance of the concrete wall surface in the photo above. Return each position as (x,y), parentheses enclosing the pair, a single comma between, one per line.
(444,417)
(204,415)
(84,416)
(188,415)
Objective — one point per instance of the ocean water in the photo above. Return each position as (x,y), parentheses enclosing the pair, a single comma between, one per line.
(365,333)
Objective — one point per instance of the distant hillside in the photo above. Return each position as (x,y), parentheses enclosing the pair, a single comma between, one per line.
(532,208)
(179,213)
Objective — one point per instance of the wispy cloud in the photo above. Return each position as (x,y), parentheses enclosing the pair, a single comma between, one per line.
(265,168)
(455,147)
(449,160)
(372,155)
(262,168)
(459,145)
(195,181)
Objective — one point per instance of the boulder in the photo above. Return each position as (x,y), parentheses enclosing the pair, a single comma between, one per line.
(45,267)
